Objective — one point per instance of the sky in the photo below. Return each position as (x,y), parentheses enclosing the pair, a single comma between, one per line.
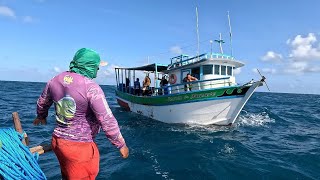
(38,38)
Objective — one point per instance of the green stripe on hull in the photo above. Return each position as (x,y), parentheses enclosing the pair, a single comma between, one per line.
(183,97)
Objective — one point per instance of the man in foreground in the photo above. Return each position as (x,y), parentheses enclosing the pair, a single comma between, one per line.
(81,109)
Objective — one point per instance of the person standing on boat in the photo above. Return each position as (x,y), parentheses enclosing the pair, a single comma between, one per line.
(146,85)
(137,87)
(127,85)
(81,110)
(188,78)
(163,84)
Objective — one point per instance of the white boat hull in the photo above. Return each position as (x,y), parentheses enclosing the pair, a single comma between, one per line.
(204,112)
(218,111)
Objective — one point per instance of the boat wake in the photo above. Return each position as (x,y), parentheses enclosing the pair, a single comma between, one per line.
(253,119)
(244,120)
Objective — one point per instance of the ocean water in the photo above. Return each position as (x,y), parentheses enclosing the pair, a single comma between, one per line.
(277,136)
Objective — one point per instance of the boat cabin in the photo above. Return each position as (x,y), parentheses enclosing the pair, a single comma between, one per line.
(212,70)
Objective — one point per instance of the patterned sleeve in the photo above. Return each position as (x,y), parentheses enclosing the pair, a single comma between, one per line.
(99,106)
(44,102)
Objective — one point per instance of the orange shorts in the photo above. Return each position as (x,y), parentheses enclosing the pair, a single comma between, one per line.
(78,160)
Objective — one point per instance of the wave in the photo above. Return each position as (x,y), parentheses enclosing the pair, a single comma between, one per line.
(254,119)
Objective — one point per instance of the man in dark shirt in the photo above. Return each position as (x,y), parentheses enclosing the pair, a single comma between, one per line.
(188,78)
(137,87)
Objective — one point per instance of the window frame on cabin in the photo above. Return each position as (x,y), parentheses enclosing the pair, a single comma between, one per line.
(229,70)
(216,67)
(223,70)
(210,70)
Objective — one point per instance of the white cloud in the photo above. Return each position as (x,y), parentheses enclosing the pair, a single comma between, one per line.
(255,70)
(265,71)
(269,70)
(57,69)
(301,67)
(288,41)
(176,50)
(271,56)
(303,56)
(237,71)
(304,48)
(28,19)
(6,11)
(109,71)
(314,69)
(106,74)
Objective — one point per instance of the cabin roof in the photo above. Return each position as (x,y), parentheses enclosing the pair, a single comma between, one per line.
(149,67)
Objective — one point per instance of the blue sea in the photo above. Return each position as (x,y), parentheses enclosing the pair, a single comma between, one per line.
(277,136)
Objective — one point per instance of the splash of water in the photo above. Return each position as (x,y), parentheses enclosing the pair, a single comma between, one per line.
(254,119)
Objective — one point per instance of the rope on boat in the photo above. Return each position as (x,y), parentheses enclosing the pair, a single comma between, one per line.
(16,160)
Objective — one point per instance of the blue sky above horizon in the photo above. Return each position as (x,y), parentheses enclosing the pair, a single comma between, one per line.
(38,38)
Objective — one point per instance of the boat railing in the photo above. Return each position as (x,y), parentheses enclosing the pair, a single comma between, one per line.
(219,55)
(186,61)
(194,59)
(183,87)
(193,86)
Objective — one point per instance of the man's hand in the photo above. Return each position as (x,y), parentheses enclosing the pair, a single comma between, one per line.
(124,151)
(38,121)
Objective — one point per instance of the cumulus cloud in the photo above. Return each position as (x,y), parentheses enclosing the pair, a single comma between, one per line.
(303,56)
(301,67)
(271,56)
(176,50)
(304,48)
(7,12)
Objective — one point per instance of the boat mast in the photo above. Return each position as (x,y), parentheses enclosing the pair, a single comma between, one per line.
(220,41)
(198,52)
(230,33)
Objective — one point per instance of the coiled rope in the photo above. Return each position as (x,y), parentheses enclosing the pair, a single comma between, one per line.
(16,160)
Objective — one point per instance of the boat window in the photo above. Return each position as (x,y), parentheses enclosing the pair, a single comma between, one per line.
(229,71)
(217,69)
(223,70)
(207,69)
(195,72)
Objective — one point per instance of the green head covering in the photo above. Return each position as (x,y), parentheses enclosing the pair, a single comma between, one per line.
(85,62)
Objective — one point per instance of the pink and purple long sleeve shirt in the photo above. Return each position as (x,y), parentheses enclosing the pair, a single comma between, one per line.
(81,109)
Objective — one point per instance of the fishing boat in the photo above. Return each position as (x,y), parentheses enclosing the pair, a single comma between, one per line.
(213,98)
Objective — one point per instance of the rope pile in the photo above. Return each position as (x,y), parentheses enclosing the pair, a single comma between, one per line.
(16,160)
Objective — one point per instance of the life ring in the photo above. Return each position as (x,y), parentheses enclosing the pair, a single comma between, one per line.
(172,79)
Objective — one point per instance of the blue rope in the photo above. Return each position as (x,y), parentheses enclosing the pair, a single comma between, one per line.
(16,160)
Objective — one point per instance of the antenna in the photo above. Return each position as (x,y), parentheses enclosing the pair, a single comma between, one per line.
(220,41)
(198,33)
(230,33)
